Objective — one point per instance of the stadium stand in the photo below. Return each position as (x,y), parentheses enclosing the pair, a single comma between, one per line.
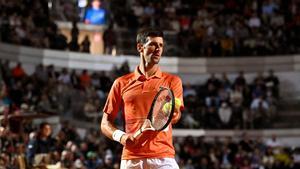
(51,90)
(200,28)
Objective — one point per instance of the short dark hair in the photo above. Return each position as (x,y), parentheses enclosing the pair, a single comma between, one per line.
(146,32)
(43,124)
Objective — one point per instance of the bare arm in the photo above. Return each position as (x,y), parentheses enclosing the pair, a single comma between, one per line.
(108,128)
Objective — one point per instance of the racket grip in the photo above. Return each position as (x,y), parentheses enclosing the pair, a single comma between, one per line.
(137,133)
(146,126)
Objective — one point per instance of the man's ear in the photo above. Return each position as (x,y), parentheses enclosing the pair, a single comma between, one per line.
(139,47)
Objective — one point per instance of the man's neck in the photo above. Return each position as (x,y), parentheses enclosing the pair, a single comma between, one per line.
(148,70)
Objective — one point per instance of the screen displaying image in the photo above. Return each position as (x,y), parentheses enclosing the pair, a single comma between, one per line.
(95,14)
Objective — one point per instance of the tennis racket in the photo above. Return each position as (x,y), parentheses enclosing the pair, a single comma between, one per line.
(161,112)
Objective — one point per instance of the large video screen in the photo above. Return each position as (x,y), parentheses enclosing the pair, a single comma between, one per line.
(95,14)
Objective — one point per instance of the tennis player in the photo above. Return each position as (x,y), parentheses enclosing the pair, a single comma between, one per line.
(132,94)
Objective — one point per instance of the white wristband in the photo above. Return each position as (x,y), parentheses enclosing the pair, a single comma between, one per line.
(117,134)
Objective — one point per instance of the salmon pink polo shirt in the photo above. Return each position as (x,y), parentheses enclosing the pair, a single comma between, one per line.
(132,94)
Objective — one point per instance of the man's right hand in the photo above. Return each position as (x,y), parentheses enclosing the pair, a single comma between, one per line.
(127,139)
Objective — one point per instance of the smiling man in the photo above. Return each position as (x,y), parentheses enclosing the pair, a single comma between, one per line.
(132,94)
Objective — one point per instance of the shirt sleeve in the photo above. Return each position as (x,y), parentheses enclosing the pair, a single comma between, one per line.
(177,88)
(88,16)
(114,100)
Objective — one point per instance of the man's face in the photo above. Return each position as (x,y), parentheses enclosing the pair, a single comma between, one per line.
(47,130)
(96,4)
(152,50)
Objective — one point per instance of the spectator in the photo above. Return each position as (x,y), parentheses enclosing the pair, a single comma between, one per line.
(272,82)
(96,14)
(40,148)
(225,82)
(213,80)
(236,101)
(67,159)
(64,77)
(5,101)
(225,113)
(240,80)
(85,44)
(269,7)
(124,69)
(105,81)
(256,160)
(296,158)
(188,120)
(18,72)
(78,164)
(41,75)
(74,30)
(254,21)
(52,74)
(45,105)
(90,110)
(260,112)
(268,158)
(16,93)
(60,41)
(259,101)
(109,39)
(227,46)
(259,79)
(73,45)
(108,161)
(189,90)
(223,94)
(85,79)
(93,161)
(273,142)
(75,81)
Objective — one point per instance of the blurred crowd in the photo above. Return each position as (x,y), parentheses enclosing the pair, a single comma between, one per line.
(245,152)
(78,94)
(37,145)
(199,27)
(217,27)
(29,23)
(48,91)
(219,103)
(231,103)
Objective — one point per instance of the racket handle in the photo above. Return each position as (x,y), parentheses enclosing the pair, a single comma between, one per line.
(146,126)
(141,130)
(137,133)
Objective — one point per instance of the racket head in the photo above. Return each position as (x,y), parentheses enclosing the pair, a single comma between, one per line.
(160,114)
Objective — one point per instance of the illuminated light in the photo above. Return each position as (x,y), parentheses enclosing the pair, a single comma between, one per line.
(49,5)
(82,3)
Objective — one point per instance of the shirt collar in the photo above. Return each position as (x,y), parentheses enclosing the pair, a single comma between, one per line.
(139,76)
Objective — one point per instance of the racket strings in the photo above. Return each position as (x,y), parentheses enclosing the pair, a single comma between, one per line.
(161,113)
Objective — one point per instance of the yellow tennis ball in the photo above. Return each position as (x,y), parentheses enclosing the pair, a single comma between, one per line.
(167,108)
(177,103)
